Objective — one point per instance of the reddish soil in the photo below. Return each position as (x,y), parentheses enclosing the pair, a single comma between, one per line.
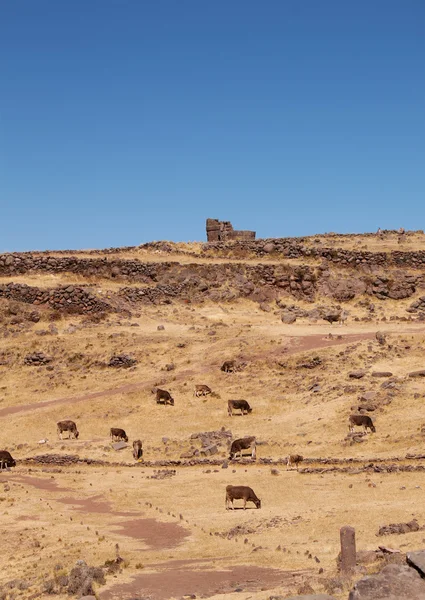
(172,582)
(41,484)
(297,344)
(156,535)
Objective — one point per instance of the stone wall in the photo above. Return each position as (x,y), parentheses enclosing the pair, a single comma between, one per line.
(17,264)
(68,298)
(290,249)
(223,231)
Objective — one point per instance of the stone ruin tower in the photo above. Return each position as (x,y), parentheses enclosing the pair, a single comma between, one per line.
(222,231)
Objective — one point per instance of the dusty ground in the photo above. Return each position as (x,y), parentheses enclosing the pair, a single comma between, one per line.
(173,533)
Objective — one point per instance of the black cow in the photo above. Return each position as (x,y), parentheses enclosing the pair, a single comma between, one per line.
(6,460)
(118,434)
(247,443)
(229,366)
(241,405)
(164,397)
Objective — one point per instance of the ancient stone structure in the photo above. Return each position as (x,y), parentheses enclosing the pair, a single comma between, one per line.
(221,231)
(348,549)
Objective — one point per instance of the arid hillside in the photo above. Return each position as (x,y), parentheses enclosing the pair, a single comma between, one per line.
(318,329)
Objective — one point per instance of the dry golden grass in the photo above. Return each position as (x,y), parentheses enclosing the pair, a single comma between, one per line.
(300,512)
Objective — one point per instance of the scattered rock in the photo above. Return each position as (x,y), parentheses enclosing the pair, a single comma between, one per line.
(122,360)
(356,374)
(37,359)
(399,528)
(380,337)
(119,446)
(420,373)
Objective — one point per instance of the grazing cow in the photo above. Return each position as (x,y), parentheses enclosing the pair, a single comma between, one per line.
(242,405)
(247,443)
(164,397)
(240,492)
(343,317)
(202,390)
(118,435)
(137,450)
(360,420)
(68,426)
(294,459)
(229,366)
(6,460)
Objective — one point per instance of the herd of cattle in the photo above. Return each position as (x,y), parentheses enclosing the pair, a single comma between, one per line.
(238,446)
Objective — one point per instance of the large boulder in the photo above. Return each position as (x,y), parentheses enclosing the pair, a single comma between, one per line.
(417,561)
(394,582)
(288,318)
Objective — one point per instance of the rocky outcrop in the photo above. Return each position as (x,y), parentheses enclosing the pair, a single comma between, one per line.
(417,561)
(394,582)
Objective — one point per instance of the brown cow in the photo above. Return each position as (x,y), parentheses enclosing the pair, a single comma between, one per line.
(294,459)
(68,426)
(118,435)
(202,390)
(247,443)
(164,397)
(360,420)
(241,405)
(240,492)
(137,450)
(6,460)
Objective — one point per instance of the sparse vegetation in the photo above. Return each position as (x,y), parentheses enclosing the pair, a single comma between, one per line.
(296,379)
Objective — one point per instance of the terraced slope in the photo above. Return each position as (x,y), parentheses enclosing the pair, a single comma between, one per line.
(180,311)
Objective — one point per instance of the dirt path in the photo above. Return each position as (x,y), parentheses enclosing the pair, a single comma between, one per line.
(297,344)
(172,582)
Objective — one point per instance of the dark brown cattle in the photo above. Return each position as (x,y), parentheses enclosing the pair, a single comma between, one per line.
(6,460)
(294,459)
(164,397)
(247,443)
(137,450)
(361,420)
(118,435)
(241,405)
(229,366)
(202,390)
(68,426)
(240,492)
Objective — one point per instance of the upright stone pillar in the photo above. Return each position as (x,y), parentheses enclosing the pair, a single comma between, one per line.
(348,549)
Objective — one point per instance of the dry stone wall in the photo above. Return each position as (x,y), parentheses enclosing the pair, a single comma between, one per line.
(341,257)
(17,264)
(64,298)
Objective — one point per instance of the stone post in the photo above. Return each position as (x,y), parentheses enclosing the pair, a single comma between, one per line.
(348,549)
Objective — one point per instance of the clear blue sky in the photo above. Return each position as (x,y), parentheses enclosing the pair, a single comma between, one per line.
(126,121)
